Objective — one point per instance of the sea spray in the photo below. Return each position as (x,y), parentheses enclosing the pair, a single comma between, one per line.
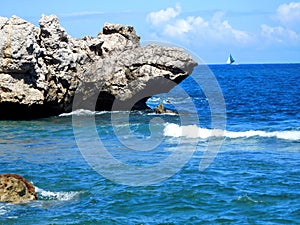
(60,195)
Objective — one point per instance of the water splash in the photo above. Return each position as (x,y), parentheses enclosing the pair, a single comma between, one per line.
(60,196)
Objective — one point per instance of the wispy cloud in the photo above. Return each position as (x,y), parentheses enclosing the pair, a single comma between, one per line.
(82,14)
(289,14)
(285,32)
(279,34)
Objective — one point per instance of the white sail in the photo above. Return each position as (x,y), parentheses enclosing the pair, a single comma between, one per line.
(230,59)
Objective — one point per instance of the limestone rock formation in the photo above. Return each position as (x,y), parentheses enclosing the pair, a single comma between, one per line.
(42,69)
(16,189)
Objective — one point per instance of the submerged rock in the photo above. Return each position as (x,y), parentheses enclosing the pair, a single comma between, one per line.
(42,68)
(16,189)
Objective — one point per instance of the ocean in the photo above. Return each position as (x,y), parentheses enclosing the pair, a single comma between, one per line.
(230,156)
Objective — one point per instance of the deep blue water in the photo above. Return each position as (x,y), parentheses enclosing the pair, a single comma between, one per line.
(252,154)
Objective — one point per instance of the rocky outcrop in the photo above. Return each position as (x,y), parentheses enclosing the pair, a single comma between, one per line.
(16,189)
(160,109)
(41,69)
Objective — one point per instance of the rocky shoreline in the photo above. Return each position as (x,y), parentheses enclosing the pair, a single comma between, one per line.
(42,68)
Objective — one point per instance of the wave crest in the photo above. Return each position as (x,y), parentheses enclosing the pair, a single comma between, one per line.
(60,196)
(79,112)
(193,131)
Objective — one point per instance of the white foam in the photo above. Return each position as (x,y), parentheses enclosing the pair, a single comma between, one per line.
(162,114)
(60,196)
(83,112)
(193,131)
(3,210)
(79,112)
(287,135)
(246,198)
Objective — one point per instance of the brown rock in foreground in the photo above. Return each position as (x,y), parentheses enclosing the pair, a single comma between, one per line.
(16,189)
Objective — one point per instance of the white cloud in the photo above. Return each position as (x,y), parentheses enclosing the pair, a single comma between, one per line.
(219,32)
(198,29)
(162,16)
(289,14)
(183,26)
(279,34)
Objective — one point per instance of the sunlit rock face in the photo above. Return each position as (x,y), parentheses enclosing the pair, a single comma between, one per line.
(16,189)
(42,68)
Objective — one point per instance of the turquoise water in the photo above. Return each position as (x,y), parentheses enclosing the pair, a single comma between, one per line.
(253,179)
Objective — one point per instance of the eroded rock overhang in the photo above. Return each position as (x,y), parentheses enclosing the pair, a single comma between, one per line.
(43,68)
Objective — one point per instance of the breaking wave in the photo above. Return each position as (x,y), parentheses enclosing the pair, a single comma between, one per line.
(193,131)
(79,112)
(85,112)
(60,196)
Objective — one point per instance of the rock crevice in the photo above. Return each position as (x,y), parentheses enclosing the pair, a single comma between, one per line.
(42,68)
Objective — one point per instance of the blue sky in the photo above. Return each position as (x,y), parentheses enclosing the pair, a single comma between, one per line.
(252,31)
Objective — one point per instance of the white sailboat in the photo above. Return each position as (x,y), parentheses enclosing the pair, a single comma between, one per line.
(230,59)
